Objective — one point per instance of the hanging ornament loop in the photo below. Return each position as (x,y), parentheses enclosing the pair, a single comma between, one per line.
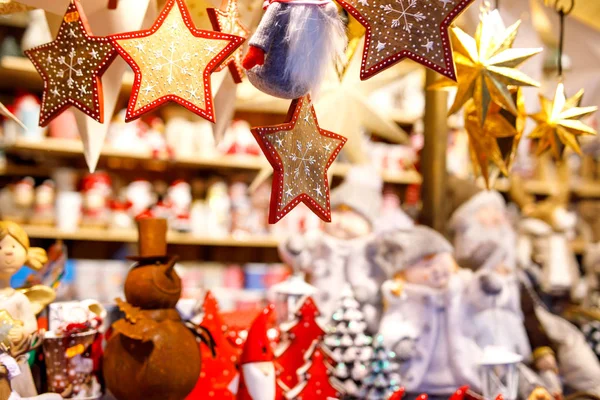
(562,13)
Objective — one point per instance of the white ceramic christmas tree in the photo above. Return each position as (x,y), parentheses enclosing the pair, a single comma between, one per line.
(350,346)
(383,378)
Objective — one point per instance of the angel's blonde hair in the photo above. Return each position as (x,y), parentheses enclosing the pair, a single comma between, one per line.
(36,256)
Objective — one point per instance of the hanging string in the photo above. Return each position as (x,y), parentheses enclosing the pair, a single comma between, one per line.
(562,13)
(497,4)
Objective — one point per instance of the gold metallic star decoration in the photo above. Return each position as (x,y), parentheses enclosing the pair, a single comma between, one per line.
(300,152)
(493,147)
(228,20)
(355,32)
(558,123)
(486,66)
(71,67)
(173,61)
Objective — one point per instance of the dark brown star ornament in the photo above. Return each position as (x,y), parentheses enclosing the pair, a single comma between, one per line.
(399,29)
(71,67)
(300,153)
(227,20)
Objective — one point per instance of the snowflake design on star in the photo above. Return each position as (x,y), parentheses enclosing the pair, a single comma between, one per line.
(71,67)
(300,153)
(404,14)
(399,29)
(173,61)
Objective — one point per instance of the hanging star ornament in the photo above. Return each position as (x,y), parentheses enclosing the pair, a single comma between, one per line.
(399,29)
(300,153)
(486,65)
(173,61)
(228,21)
(493,147)
(558,123)
(71,67)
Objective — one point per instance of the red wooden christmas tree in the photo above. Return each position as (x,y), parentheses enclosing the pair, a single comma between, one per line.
(300,334)
(317,381)
(217,373)
(398,395)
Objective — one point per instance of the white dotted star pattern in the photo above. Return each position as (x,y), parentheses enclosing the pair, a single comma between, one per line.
(71,67)
(300,153)
(417,29)
(173,62)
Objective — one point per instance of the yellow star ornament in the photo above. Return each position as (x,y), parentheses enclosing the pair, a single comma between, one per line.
(493,147)
(173,61)
(558,123)
(486,66)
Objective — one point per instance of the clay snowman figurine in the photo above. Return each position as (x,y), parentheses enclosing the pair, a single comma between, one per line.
(151,354)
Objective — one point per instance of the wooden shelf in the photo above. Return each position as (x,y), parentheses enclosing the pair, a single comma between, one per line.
(131,236)
(542,188)
(66,147)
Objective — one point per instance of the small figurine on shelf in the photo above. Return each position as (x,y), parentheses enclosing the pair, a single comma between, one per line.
(15,253)
(238,140)
(43,211)
(140,196)
(119,215)
(21,201)
(179,199)
(143,357)
(96,190)
(156,141)
(27,109)
(126,136)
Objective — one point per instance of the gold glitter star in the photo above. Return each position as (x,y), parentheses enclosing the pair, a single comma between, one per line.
(486,65)
(558,123)
(71,67)
(300,153)
(174,59)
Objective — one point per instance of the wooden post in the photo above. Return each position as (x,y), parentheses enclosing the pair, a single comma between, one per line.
(433,157)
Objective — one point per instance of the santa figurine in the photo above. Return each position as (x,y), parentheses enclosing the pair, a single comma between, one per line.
(119,215)
(297,43)
(140,196)
(339,254)
(43,211)
(177,205)
(257,379)
(155,139)
(23,198)
(96,191)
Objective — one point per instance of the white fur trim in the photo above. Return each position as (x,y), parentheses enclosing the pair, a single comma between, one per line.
(481,199)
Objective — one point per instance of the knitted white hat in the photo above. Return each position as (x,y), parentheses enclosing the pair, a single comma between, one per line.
(361,191)
(485,198)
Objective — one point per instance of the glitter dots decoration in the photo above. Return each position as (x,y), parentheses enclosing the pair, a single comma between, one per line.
(228,21)
(71,67)
(173,61)
(300,153)
(399,29)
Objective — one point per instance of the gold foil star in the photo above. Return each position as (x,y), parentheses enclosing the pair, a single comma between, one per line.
(558,123)
(495,144)
(173,61)
(486,65)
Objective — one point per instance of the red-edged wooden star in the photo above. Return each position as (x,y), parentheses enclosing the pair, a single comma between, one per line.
(399,29)
(172,61)
(71,67)
(300,153)
(228,20)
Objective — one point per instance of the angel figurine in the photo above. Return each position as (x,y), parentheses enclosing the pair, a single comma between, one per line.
(21,304)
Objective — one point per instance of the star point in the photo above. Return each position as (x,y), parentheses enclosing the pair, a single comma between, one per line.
(180,50)
(300,154)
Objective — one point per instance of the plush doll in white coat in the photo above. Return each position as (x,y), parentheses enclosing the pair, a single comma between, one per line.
(339,254)
(427,320)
